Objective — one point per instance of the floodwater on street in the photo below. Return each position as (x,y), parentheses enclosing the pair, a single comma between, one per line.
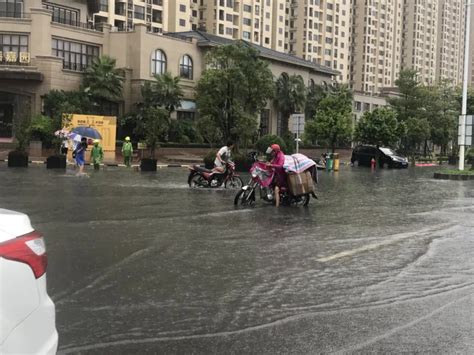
(140,263)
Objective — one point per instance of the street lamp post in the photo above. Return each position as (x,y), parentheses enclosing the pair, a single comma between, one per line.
(462,127)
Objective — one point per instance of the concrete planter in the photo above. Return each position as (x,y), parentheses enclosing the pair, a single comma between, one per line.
(148,164)
(56,162)
(17,159)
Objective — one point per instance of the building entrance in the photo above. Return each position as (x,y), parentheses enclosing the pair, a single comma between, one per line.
(6,121)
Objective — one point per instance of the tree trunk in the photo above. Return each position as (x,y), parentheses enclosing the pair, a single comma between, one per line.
(285,120)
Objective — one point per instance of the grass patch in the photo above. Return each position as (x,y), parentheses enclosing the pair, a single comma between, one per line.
(456,172)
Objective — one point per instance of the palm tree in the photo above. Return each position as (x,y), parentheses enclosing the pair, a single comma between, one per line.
(167,91)
(315,94)
(290,97)
(102,81)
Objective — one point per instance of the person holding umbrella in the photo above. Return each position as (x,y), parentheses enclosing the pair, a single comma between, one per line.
(127,152)
(97,154)
(79,154)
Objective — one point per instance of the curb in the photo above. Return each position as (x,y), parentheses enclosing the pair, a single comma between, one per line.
(459,177)
(115,165)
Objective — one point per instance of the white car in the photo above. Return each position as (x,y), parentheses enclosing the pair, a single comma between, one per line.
(27,314)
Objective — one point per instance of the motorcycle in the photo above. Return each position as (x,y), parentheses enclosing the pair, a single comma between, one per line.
(260,183)
(202,177)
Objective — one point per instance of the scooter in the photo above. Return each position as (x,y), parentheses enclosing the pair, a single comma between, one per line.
(260,183)
(202,177)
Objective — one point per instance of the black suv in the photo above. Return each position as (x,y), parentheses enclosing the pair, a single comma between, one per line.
(363,154)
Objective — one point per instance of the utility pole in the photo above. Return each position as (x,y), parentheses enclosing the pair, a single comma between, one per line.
(462,126)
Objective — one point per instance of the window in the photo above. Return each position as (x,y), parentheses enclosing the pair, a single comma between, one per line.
(247,8)
(11,8)
(139,12)
(185,115)
(264,122)
(104,5)
(182,8)
(182,22)
(247,22)
(13,43)
(64,15)
(76,56)
(158,62)
(246,35)
(186,67)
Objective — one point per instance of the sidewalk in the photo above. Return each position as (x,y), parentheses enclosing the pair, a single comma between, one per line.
(179,156)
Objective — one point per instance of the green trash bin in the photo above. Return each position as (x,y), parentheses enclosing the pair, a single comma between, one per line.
(329,162)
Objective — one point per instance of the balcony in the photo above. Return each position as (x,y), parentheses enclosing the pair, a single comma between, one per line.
(76,24)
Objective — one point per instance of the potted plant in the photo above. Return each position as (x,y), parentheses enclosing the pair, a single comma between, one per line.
(18,158)
(153,123)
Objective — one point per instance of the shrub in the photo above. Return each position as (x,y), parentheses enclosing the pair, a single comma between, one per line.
(264,142)
(470,155)
(183,131)
(242,162)
(42,129)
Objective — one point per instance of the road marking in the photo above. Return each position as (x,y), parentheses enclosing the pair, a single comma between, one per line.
(393,240)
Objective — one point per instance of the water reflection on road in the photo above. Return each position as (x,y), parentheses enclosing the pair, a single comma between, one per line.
(141,262)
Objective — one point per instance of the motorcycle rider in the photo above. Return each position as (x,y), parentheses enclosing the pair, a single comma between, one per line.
(222,156)
(278,159)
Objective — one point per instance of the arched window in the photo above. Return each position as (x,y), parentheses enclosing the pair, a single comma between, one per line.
(186,67)
(158,62)
(311,83)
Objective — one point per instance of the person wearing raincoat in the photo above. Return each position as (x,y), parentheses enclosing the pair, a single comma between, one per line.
(97,155)
(127,152)
(278,159)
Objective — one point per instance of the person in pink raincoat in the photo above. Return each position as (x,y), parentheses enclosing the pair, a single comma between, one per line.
(278,159)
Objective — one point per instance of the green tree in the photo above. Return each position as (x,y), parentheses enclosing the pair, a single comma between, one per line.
(152,123)
(379,127)
(58,104)
(417,132)
(409,103)
(103,82)
(166,92)
(333,123)
(232,91)
(441,113)
(290,98)
(315,94)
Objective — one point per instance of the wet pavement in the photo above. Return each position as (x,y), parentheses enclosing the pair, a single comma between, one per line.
(139,263)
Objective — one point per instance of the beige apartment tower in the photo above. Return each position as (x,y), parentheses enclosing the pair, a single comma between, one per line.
(451,29)
(420,44)
(260,22)
(319,31)
(376,44)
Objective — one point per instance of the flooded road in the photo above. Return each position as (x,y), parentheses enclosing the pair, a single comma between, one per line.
(139,263)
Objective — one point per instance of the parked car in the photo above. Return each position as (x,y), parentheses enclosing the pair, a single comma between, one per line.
(27,313)
(363,155)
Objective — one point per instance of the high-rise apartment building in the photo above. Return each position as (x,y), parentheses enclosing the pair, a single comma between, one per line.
(260,22)
(319,31)
(420,38)
(451,28)
(376,44)
(159,15)
(367,41)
